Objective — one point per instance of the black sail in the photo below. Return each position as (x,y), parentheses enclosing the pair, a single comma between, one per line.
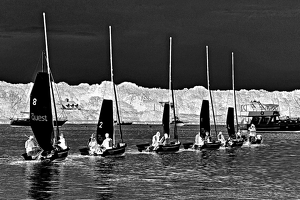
(204,118)
(106,121)
(41,112)
(230,122)
(166,119)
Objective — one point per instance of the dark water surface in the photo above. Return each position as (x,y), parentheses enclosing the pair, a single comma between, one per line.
(269,171)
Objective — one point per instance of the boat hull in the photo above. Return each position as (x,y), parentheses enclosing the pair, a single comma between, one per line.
(116,151)
(234,143)
(163,149)
(209,146)
(58,155)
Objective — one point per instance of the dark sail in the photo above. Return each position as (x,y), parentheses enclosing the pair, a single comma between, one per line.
(230,123)
(106,121)
(204,118)
(166,119)
(40,111)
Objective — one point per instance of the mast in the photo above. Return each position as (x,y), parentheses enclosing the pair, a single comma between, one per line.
(50,82)
(233,89)
(112,80)
(208,87)
(172,92)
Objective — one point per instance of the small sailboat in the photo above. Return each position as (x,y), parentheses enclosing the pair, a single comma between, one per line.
(105,125)
(41,119)
(205,132)
(233,141)
(173,146)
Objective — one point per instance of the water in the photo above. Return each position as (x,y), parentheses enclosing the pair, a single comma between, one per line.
(268,171)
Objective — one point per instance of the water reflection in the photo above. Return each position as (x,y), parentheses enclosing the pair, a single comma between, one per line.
(40,179)
(101,171)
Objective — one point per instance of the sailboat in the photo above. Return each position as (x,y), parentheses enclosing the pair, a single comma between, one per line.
(174,145)
(41,119)
(233,141)
(205,131)
(106,123)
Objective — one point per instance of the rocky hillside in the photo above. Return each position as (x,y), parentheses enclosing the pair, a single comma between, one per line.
(142,105)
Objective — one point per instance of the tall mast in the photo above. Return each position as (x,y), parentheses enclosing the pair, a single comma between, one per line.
(233,89)
(50,82)
(208,87)
(172,92)
(112,80)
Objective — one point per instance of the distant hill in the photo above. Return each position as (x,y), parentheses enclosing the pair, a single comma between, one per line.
(142,105)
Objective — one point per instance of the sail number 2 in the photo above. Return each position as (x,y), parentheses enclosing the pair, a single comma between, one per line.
(100,124)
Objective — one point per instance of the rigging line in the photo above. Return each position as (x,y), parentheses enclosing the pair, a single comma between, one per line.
(112,80)
(210,93)
(58,94)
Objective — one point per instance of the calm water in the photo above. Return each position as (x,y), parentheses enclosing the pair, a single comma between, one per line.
(266,172)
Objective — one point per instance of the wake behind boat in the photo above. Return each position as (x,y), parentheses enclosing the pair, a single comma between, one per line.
(51,143)
(103,142)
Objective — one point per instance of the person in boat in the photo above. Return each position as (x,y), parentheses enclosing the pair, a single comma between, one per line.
(93,145)
(198,141)
(238,135)
(107,142)
(165,140)
(252,133)
(61,143)
(155,141)
(207,137)
(221,138)
(31,146)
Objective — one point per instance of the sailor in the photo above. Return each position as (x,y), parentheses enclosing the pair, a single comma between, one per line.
(252,133)
(155,139)
(93,145)
(107,142)
(61,143)
(198,141)
(238,135)
(30,146)
(221,138)
(165,140)
(207,137)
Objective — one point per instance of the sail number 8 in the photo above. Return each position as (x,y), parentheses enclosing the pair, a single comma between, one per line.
(34,101)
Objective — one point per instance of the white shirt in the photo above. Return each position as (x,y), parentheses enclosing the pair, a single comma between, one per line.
(29,144)
(198,140)
(155,140)
(62,143)
(106,143)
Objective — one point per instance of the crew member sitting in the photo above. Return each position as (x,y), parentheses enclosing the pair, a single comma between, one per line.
(93,145)
(238,135)
(198,141)
(207,137)
(252,133)
(61,143)
(107,142)
(221,138)
(165,140)
(31,146)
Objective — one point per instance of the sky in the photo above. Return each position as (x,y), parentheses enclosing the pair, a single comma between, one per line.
(264,36)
